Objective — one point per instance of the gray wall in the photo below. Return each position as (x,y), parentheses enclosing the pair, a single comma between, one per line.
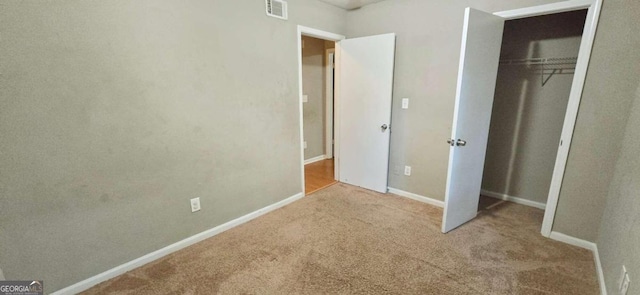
(429,35)
(113,114)
(619,240)
(606,101)
(619,95)
(313,85)
(527,117)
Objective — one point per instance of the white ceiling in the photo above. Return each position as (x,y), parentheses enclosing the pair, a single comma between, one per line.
(350,4)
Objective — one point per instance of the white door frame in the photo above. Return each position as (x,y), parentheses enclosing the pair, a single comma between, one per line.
(330,53)
(311,32)
(586,44)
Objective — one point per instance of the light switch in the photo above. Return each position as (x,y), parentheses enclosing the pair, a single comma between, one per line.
(407,170)
(305,98)
(405,103)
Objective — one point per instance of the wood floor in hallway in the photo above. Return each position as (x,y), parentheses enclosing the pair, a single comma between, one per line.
(318,175)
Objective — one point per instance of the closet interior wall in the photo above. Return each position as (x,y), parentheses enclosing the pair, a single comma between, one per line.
(527,116)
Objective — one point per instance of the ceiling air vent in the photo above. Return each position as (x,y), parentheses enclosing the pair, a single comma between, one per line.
(277,8)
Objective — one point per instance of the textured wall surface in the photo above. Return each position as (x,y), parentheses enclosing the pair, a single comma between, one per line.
(113,114)
(604,110)
(313,85)
(527,117)
(619,238)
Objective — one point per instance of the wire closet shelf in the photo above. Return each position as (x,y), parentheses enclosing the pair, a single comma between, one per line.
(546,67)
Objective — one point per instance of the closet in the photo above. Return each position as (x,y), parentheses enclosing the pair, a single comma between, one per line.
(537,62)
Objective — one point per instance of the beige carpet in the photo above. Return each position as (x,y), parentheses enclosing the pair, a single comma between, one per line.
(348,240)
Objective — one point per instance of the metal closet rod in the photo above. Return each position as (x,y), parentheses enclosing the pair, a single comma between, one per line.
(541,61)
(557,65)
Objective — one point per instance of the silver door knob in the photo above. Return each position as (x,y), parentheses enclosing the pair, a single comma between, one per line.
(461,142)
(384,127)
(450,141)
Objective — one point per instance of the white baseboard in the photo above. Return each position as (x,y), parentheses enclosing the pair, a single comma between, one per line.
(572,240)
(416,197)
(586,245)
(121,269)
(596,256)
(516,200)
(314,159)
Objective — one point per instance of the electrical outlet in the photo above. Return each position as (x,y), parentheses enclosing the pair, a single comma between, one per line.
(623,283)
(405,103)
(305,98)
(622,274)
(195,204)
(407,170)
(304,144)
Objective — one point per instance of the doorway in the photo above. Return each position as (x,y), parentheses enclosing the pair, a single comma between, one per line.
(363,87)
(537,63)
(318,112)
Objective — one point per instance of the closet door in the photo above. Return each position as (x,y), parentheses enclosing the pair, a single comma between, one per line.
(478,69)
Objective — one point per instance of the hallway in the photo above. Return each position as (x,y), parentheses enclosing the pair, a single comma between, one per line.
(318,175)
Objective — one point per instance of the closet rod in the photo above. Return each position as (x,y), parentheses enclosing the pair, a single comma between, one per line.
(556,65)
(541,61)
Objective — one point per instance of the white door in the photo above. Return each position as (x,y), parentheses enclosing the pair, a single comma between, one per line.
(365,89)
(479,57)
